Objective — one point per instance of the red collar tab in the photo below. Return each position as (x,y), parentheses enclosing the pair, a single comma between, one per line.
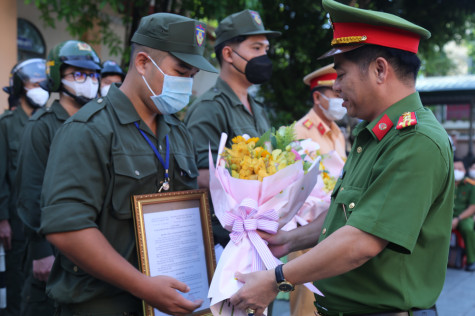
(407,119)
(325,80)
(382,127)
(321,128)
(361,33)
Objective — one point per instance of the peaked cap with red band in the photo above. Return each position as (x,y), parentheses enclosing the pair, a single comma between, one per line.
(322,77)
(353,27)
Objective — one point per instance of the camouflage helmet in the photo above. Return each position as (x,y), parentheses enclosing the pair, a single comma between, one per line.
(110,67)
(30,70)
(72,53)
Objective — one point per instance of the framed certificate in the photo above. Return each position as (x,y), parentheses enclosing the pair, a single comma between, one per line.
(174,238)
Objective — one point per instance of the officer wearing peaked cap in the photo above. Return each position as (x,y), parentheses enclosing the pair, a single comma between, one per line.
(319,123)
(388,227)
(126,144)
(241,49)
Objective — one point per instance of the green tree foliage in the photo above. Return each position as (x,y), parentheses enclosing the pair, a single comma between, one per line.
(306,33)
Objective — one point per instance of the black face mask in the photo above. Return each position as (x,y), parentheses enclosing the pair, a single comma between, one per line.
(258,69)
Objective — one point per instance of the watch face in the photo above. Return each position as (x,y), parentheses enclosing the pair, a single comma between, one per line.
(286,287)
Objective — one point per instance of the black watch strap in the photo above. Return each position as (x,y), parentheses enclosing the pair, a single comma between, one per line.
(279,274)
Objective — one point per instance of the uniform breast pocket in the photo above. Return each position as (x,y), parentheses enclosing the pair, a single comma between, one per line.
(185,173)
(13,146)
(133,175)
(348,198)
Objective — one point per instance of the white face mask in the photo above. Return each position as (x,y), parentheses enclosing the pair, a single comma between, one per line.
(104,90)
(471,174)
(87,89)
(335,110)
(176,92)
(458,175)
(37,96)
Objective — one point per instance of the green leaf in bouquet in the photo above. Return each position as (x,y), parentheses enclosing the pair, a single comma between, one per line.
(264,138)
(284,136)
(306,166)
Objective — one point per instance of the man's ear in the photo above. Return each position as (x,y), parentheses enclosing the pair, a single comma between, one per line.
(381,69)
(226,54)
(141,59)
(317,100)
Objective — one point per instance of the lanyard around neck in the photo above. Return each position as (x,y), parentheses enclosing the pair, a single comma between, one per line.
(165,163)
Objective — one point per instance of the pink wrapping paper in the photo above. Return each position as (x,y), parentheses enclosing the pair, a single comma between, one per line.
(242,206)
(318,202)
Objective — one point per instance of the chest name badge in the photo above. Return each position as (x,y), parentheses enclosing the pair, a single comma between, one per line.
(382,127)
(406,119)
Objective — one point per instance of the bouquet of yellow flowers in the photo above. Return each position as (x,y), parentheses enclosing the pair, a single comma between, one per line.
(257,184)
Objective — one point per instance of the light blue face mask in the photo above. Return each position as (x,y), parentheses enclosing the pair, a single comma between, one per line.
(176,92)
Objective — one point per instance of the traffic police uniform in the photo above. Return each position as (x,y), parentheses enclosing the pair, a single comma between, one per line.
(34,151)
(463,198)
(312,126)
(219,110)
(112,162)
(397,184)
(11,128)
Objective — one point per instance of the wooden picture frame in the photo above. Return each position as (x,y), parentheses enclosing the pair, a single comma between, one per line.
(168,226)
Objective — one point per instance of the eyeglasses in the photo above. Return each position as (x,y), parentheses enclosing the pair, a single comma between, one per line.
(82,76)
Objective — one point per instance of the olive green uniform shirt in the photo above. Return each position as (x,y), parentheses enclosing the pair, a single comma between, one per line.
(400,189)
(11,129)
(218,111)
(464,197)
(33,155)
(98,161)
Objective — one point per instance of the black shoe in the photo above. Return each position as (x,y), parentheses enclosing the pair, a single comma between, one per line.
(470,267)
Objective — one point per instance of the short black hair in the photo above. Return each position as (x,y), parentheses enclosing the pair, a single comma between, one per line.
(218,50)
(405,64)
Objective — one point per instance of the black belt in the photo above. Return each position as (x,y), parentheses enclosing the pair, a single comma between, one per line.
(414,312)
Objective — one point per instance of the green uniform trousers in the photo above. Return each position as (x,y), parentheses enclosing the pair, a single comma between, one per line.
(465,228)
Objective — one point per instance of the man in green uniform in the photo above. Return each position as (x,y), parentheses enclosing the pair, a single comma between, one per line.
(64,58)
(125,144)
(26,96)
(464,209)
(241,49)
(384,244)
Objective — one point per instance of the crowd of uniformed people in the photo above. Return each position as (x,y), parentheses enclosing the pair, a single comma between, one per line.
(69,169)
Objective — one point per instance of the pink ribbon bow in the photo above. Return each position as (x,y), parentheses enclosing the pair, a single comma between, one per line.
(244,222)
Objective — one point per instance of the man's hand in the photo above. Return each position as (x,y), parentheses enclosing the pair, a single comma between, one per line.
(259,290)
(162,294)
(42,268)
(6,234)
(278,243)
(455,222)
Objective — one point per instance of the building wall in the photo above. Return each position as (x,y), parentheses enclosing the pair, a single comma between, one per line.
(8,52)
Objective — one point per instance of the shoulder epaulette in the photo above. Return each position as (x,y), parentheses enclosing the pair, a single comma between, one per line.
(87,111)
(6,114)
(470,181)
(407,119)
(308,124)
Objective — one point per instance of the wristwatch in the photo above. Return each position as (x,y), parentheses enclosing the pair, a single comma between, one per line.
(282,284)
